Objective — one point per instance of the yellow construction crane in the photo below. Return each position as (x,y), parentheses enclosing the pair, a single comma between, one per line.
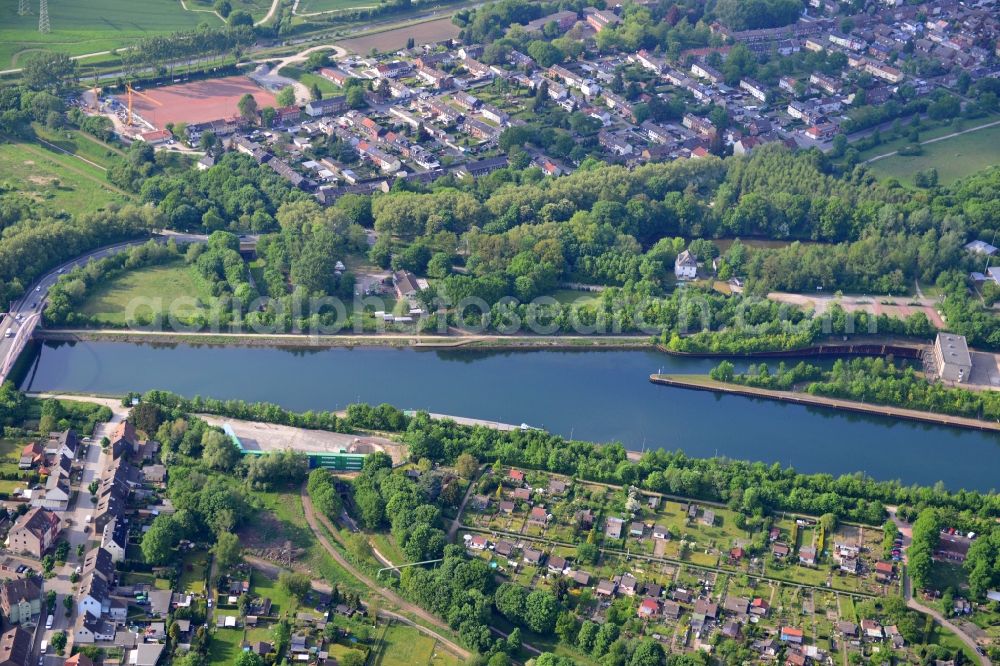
(132,91)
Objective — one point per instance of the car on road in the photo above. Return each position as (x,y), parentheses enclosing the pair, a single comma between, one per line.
(38,288)
(21,568)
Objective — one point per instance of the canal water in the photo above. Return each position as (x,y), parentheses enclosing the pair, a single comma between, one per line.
(600,396)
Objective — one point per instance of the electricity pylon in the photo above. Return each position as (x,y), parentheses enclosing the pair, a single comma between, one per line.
(43,17)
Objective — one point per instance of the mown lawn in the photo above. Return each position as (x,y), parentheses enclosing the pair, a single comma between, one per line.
(326,86)
(225,646)
(194,572)
(402,645)
(152,288)
(58,181)
(265,586)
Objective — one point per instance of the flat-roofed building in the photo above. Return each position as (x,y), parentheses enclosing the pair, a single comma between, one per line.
(952,358)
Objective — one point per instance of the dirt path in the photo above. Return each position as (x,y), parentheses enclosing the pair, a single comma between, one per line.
(314,519)
(456,524)
(270,13)
(936,139)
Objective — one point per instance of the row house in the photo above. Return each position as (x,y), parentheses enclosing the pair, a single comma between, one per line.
(704,71)
(479,129)
(614,143)
(380,158)
(618,103)
(699,125)
(787,83)
(847,42)
(435,77)
(441,111)
(326,107)
(476,68)
(650,62)
(656,133)
(600,19)
(884,72)
(490,112)
(758,90)
(568,77)
(824,83)
(466,101)
(519,59)
(392,70)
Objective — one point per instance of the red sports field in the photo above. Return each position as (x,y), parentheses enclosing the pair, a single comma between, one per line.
(196,102)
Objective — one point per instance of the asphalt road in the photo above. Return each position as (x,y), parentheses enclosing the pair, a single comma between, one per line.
(33,302)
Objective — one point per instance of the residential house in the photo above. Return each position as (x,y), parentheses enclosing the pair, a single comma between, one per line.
(660,532)
(79,659)
(54,495)
(627,584)
(532,556)
(32,455)
(405,284)
(871,629)
(704,71)
(636,529)
(649,608)
(706,607)
(671,610)
(326,107)
(91,629)
(34,533)
(791,635)
(159,602)
(613,528)
(538,516)
(114,539)
(738,605)
(94,596)
(556,487)
(607,588)
(759,607)
(521,494)
(15,647)
(807,555)
(686,266)
(581,578)
(755,88)
(708,517)
(506,506)
(847,629)
(145,654)
(63,443)
(600,19)
(21,599)
(556,564)
(780,550)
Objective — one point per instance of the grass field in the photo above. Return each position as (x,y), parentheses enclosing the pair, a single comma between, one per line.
(88,27)
(326,86)
(111,302)
(81,144)
(402,645)
(257,8)
(61,182)
(314,6)
(226,645)
(953,158)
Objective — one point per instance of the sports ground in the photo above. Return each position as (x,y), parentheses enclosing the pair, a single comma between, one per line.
(196,102)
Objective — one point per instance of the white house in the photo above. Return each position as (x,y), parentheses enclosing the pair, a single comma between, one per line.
(93,596)
(686,266)
(115,539)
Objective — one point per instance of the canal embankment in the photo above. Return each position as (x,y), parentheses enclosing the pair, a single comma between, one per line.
(705,383)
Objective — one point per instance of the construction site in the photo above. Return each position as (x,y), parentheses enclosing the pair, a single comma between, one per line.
(145,113)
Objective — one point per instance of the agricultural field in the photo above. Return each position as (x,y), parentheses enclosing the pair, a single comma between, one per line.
(54,179)
(137,292)
(307,7)
(954,158)
(79,28)
(391,40)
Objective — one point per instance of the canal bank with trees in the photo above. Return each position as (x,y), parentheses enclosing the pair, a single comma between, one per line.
(600,396)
